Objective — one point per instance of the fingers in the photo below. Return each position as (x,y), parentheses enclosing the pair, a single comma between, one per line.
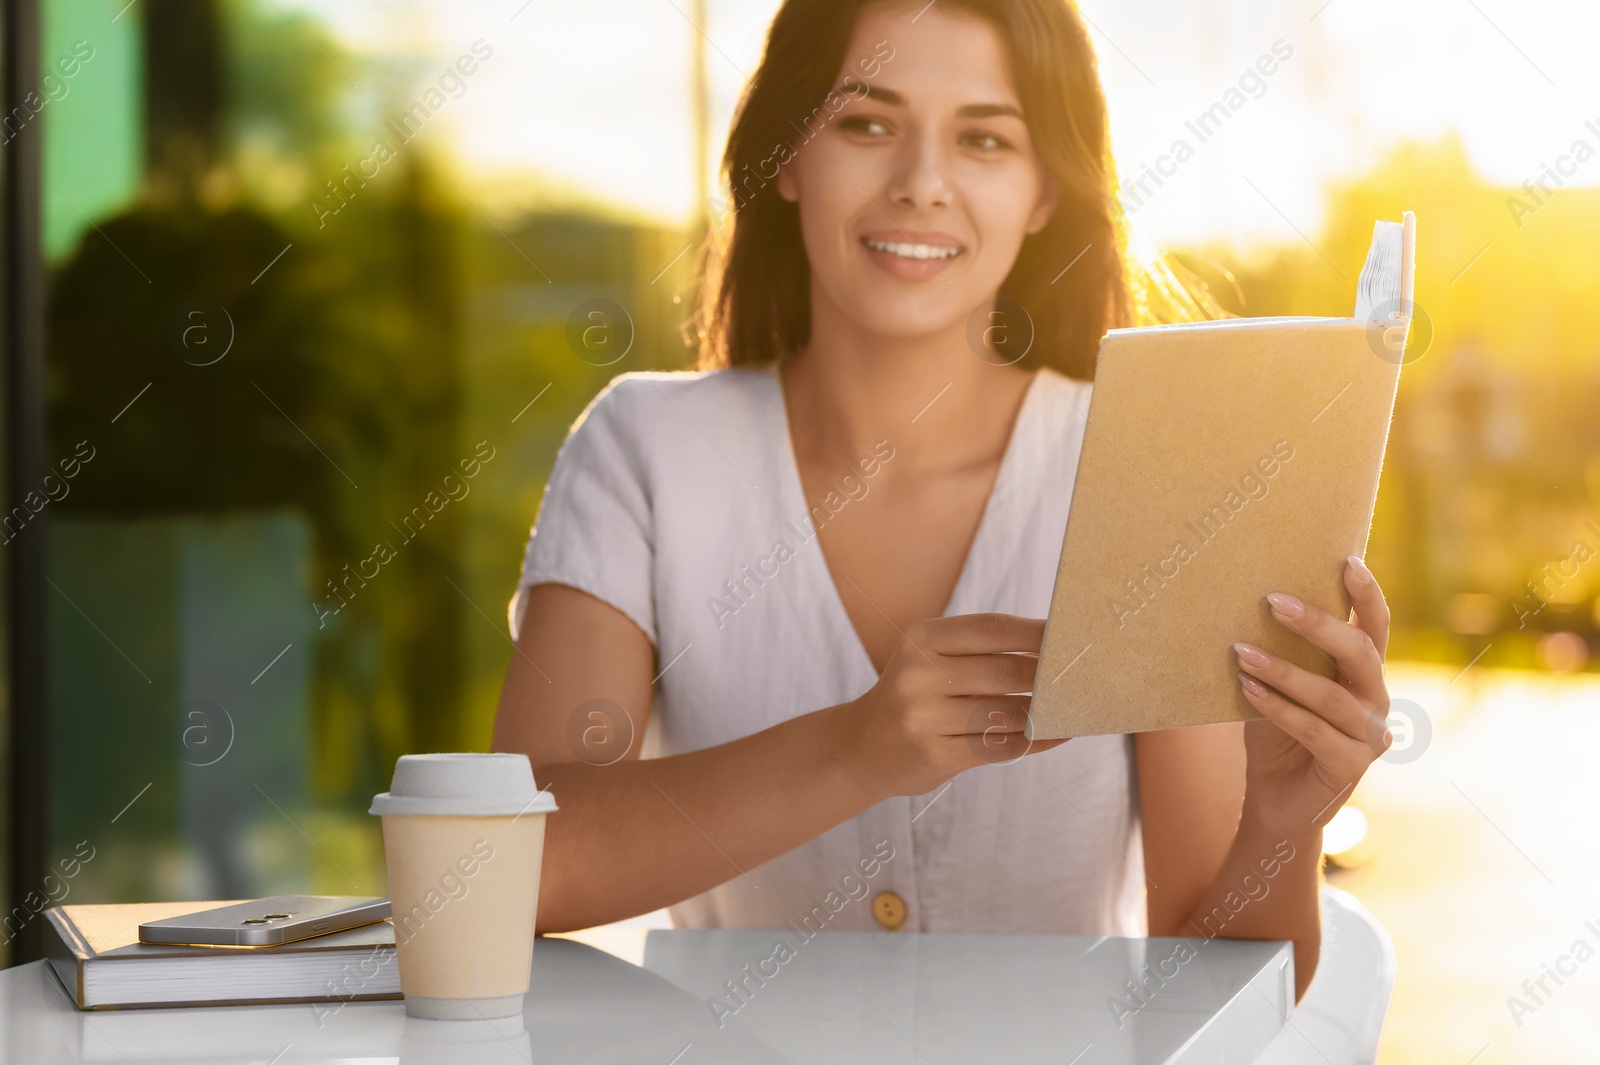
(1330,700)
(1000,674)
(1372,612)
(1352,649)
(977,634)
(1342,756)
(992,716)
(1008,747)
(995,729)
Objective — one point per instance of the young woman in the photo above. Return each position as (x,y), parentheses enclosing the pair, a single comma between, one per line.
(776,613)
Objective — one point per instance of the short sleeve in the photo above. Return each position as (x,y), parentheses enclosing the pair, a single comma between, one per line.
(594,530)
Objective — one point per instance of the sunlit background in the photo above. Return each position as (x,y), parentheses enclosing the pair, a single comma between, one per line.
(270,342)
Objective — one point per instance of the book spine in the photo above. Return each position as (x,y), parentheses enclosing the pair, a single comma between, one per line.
(65,952)
(194,1004)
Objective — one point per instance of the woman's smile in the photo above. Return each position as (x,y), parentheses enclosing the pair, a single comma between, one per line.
(912,255)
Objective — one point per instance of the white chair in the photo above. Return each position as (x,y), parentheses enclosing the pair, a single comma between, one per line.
(1341,1016)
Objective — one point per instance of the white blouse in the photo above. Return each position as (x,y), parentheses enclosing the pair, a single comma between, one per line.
(676,499)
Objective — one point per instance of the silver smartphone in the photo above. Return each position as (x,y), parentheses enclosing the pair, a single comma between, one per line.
(266,922)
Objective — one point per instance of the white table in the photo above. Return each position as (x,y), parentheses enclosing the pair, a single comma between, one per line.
(843,997)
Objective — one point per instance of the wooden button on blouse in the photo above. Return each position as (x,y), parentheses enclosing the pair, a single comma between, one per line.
(889,909)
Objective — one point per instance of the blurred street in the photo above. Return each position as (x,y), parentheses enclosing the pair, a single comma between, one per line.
(1482,867)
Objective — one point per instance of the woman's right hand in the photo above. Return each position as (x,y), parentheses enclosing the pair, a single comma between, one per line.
(947,701)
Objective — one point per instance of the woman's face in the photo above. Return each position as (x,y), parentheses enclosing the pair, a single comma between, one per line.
(915,195)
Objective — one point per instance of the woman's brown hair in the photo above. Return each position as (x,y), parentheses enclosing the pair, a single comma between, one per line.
(755,305)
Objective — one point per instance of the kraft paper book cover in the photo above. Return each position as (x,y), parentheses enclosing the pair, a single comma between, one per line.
(1222,460)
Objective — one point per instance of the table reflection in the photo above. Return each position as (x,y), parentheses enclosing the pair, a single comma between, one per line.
(716,996)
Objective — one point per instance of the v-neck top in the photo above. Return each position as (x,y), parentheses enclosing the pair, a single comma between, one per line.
(676,498)
(793,490)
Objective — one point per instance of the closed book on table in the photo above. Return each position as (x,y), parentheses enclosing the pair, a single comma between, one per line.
(95,951)
(1222,460)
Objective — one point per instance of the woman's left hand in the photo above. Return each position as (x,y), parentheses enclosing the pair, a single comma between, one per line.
(1319,735)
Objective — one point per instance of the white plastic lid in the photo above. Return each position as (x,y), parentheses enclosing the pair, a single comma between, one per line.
(463,785)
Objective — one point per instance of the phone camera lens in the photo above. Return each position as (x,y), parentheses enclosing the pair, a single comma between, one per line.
(253,920)
(277,917)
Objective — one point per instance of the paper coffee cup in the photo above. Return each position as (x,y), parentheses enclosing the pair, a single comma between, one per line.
(463,838)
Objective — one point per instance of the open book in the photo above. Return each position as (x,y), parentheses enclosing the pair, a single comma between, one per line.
(1223,460)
